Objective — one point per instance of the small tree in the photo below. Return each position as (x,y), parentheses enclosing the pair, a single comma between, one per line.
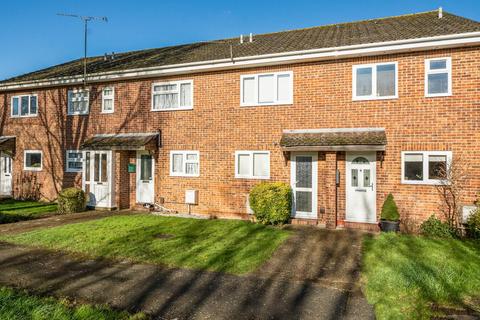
(390,209)
(451,190)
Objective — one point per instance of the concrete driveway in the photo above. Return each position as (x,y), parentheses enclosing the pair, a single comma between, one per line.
(313,275)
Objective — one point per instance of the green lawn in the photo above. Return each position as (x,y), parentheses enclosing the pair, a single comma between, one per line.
(410,277)
(19,305)
(218,245)
(14,210)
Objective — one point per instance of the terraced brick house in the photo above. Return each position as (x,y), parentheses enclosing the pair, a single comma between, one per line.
(345,113)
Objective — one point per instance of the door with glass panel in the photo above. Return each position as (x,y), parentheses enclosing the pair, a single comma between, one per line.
(97,178)
(304,183)
(145,177)
(360,182)
(5,174)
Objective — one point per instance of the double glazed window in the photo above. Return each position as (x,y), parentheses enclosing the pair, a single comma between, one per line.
(78,101)
(108,98)
(438,77)
(176,95)
(185,163)
(252,164)
(32,160)
(425,167)
(25,106)
(266,89)
(375,81)
(73,161)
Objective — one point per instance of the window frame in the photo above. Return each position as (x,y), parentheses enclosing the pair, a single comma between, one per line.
(184,162)
(373,96)
(112,98)
(178,83)
(275,90)
(25,168)
(69,102)
(29,115)
(448,70)
(425,167)
(67,160)
(250,153)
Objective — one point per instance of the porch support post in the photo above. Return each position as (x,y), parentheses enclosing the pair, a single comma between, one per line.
(331,190)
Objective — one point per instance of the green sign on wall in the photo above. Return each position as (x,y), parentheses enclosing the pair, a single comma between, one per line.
(132,168)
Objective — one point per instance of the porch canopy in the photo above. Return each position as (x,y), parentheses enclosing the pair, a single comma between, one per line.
(7,144)
(335,139)
(123,141)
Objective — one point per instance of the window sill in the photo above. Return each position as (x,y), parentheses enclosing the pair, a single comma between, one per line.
(184,175)
(266,105)
(32,169)
(173,109)
(72,171)
(439,95)
(252,178)
(374,98)
(425,183)
(107,112)
(29,116)
(78,114)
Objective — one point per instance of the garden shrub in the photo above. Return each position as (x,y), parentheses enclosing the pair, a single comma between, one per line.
(435,228)
(271,202)
(473,224)
(71,200)
(390,209)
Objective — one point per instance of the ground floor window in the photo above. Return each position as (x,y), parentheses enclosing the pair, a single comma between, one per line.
(185,163)
(73,161)
(32,160)
(425,167)
(252,164)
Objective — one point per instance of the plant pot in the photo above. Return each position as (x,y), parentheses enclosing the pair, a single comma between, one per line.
(389,226)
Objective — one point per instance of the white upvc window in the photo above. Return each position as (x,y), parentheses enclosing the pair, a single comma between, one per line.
(266,89)
(24,106)
(73,161)
(32,160)
(425,167)
(375,81)
(185,163)
(252,164)
(174,95)
(78,101)
(438,77)
(108,100)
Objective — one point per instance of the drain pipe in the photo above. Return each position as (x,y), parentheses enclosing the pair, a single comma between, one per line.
(337,183)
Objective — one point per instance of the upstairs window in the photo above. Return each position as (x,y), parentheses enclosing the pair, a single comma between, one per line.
(375,81)
(108,98)
(78,101)
(176,95)
(73,161)
(266,89)
(438,77)
(25,106)
(425,167)
(252,164)
(185,163)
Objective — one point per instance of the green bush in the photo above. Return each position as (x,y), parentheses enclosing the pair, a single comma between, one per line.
(271,202)
(473,224)
(435,228)
(71,200)
(390,210)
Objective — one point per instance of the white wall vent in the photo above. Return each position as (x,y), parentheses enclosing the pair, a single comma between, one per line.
(191,196)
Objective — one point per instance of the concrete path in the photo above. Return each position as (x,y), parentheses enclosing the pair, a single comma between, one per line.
(314,275)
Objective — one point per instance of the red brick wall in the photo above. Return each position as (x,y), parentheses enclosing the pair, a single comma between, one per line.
(218,126)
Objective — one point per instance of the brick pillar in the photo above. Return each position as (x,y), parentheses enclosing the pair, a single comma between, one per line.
(331,190)
(122,180)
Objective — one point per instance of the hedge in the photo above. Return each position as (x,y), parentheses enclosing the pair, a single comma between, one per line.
(271,202)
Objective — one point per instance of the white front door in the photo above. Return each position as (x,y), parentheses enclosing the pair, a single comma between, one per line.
(145,174)
(5,174)
(361,187)
(304,184)
(98,179)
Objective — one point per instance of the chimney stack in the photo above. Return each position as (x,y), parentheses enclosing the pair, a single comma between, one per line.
(440,13)
(251,37)
(241,38)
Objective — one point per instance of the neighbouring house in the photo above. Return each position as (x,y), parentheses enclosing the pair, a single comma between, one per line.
(345,113)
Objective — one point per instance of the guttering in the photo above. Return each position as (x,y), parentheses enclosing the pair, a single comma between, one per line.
(369,49)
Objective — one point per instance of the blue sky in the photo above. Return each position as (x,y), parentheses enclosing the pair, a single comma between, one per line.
(34,37)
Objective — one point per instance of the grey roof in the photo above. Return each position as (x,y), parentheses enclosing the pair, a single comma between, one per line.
(411,26)
(333,138)
(122,141)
